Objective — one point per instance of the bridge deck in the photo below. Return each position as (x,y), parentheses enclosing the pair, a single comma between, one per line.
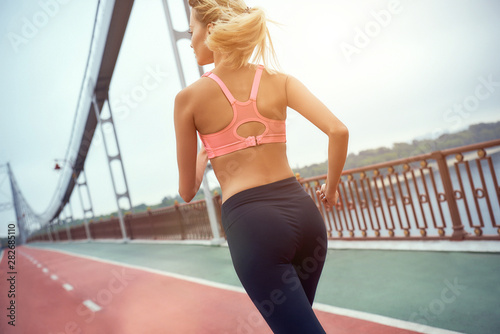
(158,288)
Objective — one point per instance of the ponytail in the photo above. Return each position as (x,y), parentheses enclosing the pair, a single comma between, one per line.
(238,32)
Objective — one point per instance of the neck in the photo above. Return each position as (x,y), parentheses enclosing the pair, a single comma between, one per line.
(218,59)
(220,65)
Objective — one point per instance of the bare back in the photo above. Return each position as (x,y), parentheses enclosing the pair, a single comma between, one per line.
(212,112)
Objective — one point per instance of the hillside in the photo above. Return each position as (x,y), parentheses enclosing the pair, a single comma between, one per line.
(476,133)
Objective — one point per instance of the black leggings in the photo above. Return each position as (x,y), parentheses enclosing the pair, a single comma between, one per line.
(278,244)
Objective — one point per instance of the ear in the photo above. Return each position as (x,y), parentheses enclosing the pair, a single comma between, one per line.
(209,27)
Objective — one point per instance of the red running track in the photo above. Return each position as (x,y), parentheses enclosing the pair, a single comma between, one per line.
(51,288)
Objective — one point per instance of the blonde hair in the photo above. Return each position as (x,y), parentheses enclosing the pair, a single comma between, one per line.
(238,32)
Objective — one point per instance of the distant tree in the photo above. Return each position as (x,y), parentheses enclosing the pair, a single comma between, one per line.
(476,133)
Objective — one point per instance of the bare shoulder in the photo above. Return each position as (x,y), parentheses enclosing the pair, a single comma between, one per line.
(276,77)
(275,82)
(192,95)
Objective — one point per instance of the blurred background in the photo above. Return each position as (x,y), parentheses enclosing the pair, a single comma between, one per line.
(407,77)
(392,71)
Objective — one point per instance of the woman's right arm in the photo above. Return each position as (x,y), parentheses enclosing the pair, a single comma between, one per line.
(305,103)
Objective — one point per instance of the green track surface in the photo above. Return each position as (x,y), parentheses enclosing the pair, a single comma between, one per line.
(450,290)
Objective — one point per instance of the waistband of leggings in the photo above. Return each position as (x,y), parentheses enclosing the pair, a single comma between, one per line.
(278,190)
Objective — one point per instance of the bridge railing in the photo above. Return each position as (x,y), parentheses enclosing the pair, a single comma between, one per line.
(451,194)
(177,222)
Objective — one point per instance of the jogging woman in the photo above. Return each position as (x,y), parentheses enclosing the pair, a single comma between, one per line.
(275,232)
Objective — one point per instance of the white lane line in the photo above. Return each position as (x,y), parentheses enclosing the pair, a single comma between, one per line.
(67,287)
(154,271)
(45,270)
(39,265)
(382,319)
(54,277)
(322,307)
(91,305)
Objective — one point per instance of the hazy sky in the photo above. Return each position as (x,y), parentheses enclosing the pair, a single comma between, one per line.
(392,71)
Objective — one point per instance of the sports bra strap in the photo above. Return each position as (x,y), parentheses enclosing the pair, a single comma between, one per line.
(256,83)
(226,91)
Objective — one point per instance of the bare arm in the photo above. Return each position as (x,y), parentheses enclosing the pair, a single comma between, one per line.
(309,106)
(190,164)
(201,165)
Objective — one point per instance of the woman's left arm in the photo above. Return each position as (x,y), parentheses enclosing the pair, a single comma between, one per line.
(190,164)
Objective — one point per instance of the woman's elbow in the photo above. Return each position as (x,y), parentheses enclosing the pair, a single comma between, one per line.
(187,196)
(339,131)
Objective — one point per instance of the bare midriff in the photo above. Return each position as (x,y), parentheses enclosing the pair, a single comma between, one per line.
(251,167)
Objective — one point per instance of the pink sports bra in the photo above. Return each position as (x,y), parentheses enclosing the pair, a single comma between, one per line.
(227,140)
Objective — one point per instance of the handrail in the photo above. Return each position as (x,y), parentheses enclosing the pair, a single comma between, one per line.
(395,200)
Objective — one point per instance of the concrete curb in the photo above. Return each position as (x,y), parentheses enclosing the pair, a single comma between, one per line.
(486,246)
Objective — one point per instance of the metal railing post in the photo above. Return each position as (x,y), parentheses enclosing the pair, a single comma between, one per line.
(57,228)
(180,219)
(212,217)
(69,221)
(176,36)
(49,232)
(458,227)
